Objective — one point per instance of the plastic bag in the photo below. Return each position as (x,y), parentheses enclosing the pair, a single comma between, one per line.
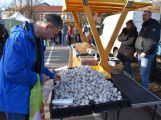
(36,101)
(100,69)
(158,50)
(47,89)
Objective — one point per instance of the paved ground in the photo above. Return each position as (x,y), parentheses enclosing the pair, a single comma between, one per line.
(59,58)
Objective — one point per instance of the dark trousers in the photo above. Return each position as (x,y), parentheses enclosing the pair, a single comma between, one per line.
(17,116)
(3,116)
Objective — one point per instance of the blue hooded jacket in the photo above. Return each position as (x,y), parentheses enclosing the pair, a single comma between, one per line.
(16,70)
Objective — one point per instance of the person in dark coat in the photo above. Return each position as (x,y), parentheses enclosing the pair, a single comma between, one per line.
(127,38)
(69,35)
(64,33)
(3,37)
(146,45)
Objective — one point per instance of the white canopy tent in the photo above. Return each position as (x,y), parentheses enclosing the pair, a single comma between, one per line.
(18,16)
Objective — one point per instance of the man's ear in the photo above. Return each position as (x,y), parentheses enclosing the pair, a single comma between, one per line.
(46,26)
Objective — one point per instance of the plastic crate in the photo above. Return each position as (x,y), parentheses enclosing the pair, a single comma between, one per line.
(56,113)
(88,60)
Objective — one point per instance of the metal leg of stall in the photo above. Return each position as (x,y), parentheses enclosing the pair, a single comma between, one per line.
(154,113)
(105,115)
(118,113)
(61,118)
(78,26)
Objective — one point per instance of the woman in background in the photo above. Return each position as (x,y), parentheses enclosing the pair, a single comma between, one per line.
(127,38)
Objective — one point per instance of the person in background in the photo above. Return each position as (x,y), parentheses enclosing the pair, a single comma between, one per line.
(85,31)
(3,37)
(76,35)
(146,44)
(126,51)
(64,33)
(92,41)
(21,64)
(70,34)
(59,37)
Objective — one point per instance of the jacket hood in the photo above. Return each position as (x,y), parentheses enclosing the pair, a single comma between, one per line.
(26,28)
(135,28)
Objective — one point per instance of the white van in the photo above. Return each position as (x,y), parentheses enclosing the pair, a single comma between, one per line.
(111,21)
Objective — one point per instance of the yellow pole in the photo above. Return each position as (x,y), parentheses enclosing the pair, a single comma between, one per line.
(117,29)
(88,37)
(92,24)
(70,60)
(78,26)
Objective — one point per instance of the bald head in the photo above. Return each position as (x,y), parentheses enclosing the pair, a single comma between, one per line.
(48,27)
(54,19)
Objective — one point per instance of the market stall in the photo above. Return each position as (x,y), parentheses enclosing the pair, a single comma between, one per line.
(82,54)
(82,86)
(103,6)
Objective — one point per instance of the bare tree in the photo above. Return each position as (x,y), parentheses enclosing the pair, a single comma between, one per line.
(37,2)
(20,3)
(14,3)
(24,6)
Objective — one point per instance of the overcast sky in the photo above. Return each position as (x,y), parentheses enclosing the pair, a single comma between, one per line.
(5,3)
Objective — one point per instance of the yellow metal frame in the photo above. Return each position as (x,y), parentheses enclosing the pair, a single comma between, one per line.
(96,36)
(102,6)
(78,26)
(115,32)
(88,37)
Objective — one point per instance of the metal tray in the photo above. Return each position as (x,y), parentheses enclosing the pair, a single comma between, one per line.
(82,54)
(106,106)
(91,108)
(69,111)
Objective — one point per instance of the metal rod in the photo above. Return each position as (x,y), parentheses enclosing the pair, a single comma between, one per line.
(118,113)
(105,116)
(155,109)
(61,118)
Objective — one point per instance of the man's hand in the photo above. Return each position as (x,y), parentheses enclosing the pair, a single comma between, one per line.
(56,77)
(143,54)
(45,78)
(135,54)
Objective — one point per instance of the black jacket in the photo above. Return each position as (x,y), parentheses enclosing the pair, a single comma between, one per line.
(127,48)
(149,37)
(3,40)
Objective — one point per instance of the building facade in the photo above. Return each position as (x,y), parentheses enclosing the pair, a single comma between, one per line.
(38,12)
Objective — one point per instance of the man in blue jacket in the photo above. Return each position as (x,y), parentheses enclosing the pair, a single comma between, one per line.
(21,62)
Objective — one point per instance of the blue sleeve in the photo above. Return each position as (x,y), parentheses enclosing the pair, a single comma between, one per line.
(16,64)
(47,72)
